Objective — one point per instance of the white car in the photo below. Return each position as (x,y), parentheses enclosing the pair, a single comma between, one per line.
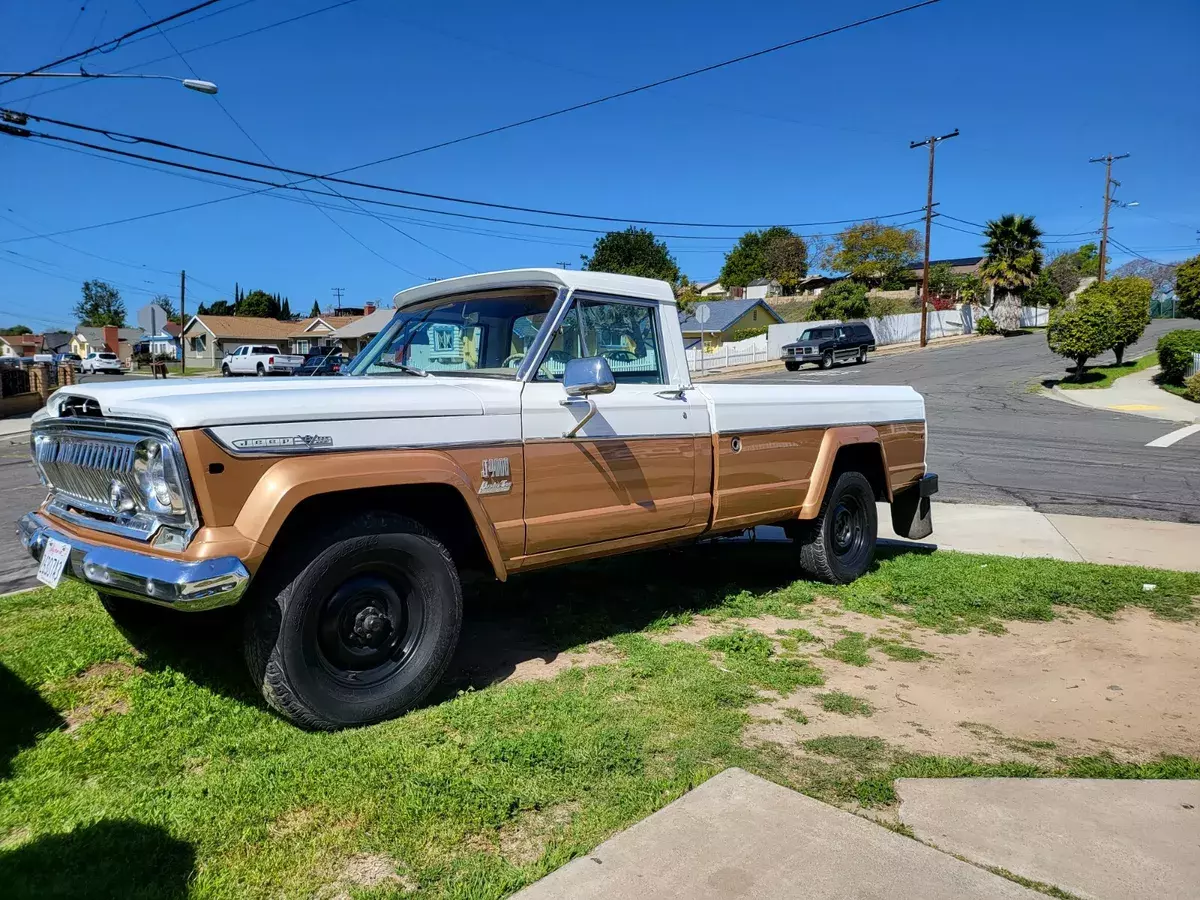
(260,359)
(104,362)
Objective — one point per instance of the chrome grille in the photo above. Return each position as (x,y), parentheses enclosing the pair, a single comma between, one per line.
(83,467)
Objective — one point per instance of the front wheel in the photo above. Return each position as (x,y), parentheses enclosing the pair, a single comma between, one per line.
(839,544)
(363,631)
(827,360)
(225,371)
(792,366)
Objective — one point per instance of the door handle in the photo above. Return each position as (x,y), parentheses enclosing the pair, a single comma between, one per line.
(672,393)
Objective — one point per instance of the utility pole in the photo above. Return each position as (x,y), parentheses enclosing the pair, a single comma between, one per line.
(182,321)
(337,293)
(1108,183)
(930,142)
(563,264)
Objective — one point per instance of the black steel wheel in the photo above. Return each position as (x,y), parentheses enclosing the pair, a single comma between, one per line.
(792,366)
(839,544)
(363,628)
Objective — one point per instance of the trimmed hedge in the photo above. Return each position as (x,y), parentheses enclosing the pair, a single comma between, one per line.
(1175,349)
(742,333)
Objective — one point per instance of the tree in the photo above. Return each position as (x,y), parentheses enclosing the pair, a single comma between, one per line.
(1160,275)
(873,253)
(847,299)
(164,302)
(286,312)
(16,329)
(1087,257)
(968,287)
(1083,328)
(687,298)
(1013,247)
(1187,288)
(1063,271)
(1131,297)
(221,308)
(776,252)
(942,282)
(315,311)
(634,251)
(1045,292)
(100,304)
(260,304)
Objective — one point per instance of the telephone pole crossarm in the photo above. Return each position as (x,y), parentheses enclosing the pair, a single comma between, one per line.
(930,142)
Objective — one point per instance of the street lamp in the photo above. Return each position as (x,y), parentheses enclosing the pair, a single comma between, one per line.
(192,84)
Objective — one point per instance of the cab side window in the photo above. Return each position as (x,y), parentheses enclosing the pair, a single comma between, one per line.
(623,334)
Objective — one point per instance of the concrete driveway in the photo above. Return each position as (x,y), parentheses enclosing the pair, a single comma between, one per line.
(993,441)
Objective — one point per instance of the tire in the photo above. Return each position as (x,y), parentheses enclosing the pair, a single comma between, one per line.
(225,371)
(360,633)
(862,355)
(826,360)
(792,366)
(261,371)
(839,544)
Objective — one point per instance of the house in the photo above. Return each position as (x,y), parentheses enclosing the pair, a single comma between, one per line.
(56,342)
(710,289)
(317,332)
(963,265)
(762,288)
(728,316)
(163,342)
(814,284)
(206,339)
(20,345)
(357,334)
(96,339)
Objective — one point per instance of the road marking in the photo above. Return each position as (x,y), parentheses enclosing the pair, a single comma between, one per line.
(1178,435)
(1135,407)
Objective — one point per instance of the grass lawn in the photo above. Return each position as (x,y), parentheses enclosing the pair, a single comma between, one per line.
(1177,389)
(157,771)
(1104,376)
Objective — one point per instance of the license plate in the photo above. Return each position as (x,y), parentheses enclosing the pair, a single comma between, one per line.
(54,560)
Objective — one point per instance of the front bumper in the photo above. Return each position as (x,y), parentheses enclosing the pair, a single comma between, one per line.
(195,585)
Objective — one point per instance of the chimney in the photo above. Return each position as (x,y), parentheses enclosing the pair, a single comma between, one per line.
(112,339)
(368,307)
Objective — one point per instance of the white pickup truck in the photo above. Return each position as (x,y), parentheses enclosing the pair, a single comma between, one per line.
(259,359)
(500,423)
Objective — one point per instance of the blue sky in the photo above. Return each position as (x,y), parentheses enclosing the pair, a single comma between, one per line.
(813,133)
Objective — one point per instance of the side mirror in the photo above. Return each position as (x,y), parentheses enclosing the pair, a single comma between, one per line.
(583,377)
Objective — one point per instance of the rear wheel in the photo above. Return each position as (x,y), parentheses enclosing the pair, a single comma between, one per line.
(862,355)
(792,366)
(839,544)
(261,371)
(360,633)
(826,360)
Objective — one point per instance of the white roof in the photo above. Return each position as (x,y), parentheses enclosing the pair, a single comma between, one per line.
(600,282)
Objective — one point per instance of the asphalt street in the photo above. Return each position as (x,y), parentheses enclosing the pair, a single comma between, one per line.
(994,439)
(991,440)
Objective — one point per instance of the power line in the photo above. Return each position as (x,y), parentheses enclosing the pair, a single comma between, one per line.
(215,43)
(110,43)
(124,137)
(645,87)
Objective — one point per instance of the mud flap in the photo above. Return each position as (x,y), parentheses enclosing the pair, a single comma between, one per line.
(912,516)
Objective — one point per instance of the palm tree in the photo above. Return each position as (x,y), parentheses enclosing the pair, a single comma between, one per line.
(1014,258)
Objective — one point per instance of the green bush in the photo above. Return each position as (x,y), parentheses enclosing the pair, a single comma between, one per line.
(1187,288)
(141,359)
(742,333)
(1192,388)
(847,299)
(1084,328)
(1175,349)
(1130,298)
(986,326)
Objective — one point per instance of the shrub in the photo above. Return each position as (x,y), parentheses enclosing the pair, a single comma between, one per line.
(1084,328)
(889,306)
(986,326)
(141,359)
(1192,389)
(742,333)
(1187,288)
(1175,349)
(1131,304)
(845,300)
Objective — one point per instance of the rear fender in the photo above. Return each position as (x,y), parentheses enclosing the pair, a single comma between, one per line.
(834,440)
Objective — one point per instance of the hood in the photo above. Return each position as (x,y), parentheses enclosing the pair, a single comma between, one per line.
(815,342)
(206,402)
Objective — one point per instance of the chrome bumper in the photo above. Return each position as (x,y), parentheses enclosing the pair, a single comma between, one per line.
(181,584)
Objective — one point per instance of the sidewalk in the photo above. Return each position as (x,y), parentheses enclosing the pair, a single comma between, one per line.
(15,426)
(1137,394)
(1021,531)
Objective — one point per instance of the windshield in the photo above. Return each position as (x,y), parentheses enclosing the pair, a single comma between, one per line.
(816,334)
(108,356)
(486,334)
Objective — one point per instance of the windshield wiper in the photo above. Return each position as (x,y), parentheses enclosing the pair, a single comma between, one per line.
(407,369)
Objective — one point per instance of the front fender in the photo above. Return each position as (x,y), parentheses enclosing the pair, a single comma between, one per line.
(291,481)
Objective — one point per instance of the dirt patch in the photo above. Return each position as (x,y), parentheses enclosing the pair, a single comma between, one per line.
(367,870)
(524,841)
(492,652)
(94,693)
(1071,687)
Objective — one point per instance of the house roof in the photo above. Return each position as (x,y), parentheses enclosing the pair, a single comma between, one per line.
(172,328)
(759,282)
(249,327)
(95,335)
(320,325)
(23,342)
(372,324)
(959,265)
(724,314)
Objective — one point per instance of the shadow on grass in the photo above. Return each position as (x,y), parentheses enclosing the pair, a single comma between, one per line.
(110,859)
(23,716)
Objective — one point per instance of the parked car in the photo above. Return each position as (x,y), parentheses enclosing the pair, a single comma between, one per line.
(259,359)
(322,365)
(829,344)
(104,362)
(67,359)
(342,518)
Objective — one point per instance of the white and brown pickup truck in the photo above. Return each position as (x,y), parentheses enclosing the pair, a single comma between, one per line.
(501,422)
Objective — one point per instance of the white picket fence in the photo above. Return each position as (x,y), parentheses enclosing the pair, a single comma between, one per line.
(731,353)
(1194,368)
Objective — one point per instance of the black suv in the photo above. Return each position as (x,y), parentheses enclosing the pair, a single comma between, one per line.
(827,344)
